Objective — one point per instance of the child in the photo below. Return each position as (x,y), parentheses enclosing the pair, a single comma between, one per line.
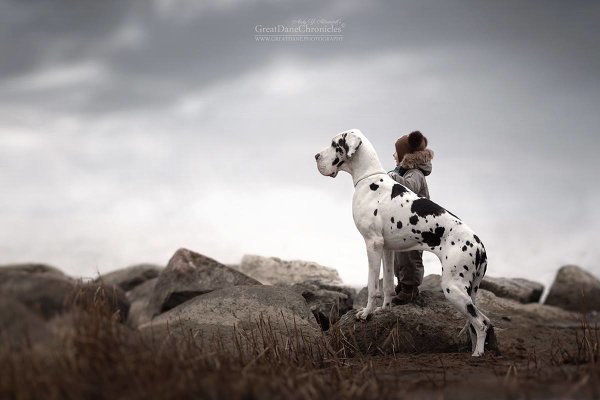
(413,164)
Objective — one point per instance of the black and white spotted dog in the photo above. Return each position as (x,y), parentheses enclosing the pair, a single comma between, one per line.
(392,218)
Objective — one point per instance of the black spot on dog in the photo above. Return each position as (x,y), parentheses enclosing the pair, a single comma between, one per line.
(462,275)
(392,220)
(381,180)
(485,322)
(464,248)
(472,329)
(447,290)
(374,186)
(477,259)
(340,164)
(452,243)
(468,290)
(471,310)
(424,207)
(399,225)
(375,212)
(476,238)
(469,244)
(435,238)
(476,288)
(413,220)
(398,190)
(337,160)
(342,143)
(465,267)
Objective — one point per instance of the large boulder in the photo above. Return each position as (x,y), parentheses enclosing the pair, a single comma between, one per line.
(274,271)
(433,326)
(575,289)
(327,302)
(428,328)
(32,268)
(42,289)
(188,275)
(138,298)
(130,277)
(20,327)
(236,317)
(521,290)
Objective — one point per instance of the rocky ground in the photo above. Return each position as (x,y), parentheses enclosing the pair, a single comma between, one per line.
(270,328)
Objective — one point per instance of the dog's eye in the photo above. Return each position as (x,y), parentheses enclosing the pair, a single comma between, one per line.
(333,144)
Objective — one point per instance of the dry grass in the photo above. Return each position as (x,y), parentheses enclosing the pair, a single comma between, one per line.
(99,358)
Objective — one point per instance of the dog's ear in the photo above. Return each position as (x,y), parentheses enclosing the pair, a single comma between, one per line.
(350,142)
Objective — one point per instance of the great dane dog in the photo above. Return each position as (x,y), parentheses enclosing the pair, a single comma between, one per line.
(391,218)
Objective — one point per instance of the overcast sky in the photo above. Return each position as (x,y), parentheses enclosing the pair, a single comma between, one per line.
(131,128)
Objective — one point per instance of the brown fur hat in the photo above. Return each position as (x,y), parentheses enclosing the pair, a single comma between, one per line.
(415,141)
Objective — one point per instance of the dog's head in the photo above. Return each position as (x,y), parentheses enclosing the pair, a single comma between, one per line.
(343,146)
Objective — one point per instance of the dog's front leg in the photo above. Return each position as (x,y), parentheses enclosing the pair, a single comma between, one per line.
(388,280)
(374,254)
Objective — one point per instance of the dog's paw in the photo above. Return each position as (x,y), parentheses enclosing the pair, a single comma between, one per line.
(363,314)
(385,307)
(477,353)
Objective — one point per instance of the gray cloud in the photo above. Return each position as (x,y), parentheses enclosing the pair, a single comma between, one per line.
(164,124)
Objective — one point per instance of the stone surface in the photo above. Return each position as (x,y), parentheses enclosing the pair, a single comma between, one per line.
(274,271)
(20,327)
(360,300)
(130,277)
(190,274)
(138,298)
(327,302)
(574,289)
(521,290)
(45,291)
(433,327)
(235,316)
(32,268)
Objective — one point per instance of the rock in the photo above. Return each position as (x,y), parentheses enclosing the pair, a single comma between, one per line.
(274,271)
(575,289)
(235,317)
(361,298)
(432,283)
(32,268)
(411,328)
(188,275)
(327,302)
(138,298)
(521,290)
(130,277)
(42,289)
(20,327)
(433,327)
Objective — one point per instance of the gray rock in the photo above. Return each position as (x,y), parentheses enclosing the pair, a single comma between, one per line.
(327,302)
(575,289)
(32,268)
(274,271)
(138,298)
(22,328)
(45,291)
(130,277)
(432,283)
(235,317)
(188,275)
(362,297)
(410,328)
(521,290)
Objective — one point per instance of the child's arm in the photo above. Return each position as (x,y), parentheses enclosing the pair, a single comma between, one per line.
(411,179)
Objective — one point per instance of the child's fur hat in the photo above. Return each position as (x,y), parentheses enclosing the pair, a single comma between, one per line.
(415,141)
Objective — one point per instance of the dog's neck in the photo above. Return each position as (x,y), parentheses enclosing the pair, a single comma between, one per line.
(363,163)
